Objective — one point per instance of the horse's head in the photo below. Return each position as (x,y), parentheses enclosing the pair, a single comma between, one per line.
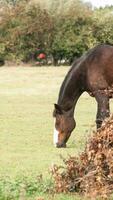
(64,125)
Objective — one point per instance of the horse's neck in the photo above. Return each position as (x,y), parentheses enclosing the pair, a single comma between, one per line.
(70,90)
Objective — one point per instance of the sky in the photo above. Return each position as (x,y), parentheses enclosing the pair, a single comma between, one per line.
(100,3)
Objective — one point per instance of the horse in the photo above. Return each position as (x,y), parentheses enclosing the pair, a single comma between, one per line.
(91,73)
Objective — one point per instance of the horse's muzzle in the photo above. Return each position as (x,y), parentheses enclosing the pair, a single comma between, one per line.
(61,145)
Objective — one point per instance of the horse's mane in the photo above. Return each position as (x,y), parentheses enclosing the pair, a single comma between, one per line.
(74,65)
(89,56)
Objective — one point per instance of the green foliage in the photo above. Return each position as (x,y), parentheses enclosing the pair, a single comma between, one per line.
(24,29)
(70,20)
(63,29)
(22,187)
(103,29)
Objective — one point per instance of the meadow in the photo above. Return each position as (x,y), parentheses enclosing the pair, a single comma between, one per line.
(27,96)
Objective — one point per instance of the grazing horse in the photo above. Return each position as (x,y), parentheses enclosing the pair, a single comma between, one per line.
(91,73)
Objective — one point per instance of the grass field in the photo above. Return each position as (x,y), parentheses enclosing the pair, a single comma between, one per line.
(27,95)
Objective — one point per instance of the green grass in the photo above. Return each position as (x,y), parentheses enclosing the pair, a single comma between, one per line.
(27,95)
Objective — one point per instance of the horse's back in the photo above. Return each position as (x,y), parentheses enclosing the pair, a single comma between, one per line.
(99,67)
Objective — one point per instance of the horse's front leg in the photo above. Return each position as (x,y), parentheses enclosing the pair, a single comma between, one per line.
(103,110)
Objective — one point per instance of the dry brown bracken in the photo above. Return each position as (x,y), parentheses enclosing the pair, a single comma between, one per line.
(91,173)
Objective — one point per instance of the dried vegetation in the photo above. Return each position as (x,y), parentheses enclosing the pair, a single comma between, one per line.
(91,173)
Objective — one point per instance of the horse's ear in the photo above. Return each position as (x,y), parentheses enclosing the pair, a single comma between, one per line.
(58,109)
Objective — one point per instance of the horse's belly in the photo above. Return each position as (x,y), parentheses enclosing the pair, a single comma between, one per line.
(109,75)
(101,79)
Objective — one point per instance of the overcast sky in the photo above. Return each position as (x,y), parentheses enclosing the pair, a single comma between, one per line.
(98,3)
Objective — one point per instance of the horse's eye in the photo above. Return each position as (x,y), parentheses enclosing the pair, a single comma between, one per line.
(57,123)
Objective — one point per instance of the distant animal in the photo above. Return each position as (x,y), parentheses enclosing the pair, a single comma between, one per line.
(93,73)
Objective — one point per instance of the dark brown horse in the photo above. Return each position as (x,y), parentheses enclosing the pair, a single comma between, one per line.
(93,73)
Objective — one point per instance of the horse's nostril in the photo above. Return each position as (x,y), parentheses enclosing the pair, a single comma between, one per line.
(61,145)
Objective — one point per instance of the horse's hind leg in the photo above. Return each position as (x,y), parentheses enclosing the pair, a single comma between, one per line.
(103,110)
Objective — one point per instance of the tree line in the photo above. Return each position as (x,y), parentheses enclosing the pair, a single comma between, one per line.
(61,29)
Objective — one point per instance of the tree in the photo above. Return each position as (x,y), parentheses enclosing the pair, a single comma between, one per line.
(69,31)
(103,25)
(24,29)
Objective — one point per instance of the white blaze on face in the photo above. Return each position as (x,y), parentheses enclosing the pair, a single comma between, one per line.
(55,136)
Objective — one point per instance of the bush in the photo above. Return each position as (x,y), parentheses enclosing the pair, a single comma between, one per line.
(63,29)
(91,173)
